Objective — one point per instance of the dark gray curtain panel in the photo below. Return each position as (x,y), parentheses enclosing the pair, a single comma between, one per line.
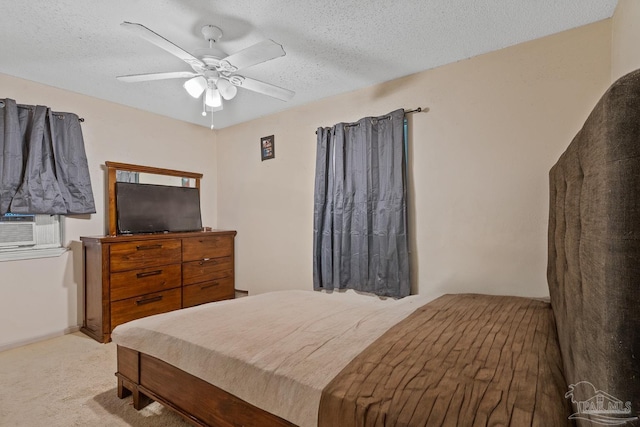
(72,169)
(360,211)
(43,165)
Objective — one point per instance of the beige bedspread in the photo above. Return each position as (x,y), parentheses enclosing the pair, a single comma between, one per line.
(276,351)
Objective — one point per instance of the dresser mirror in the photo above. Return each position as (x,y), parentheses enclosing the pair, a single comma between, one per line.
(152,178)
(124,172)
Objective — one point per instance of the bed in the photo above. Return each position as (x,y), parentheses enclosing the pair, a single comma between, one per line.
(309,358)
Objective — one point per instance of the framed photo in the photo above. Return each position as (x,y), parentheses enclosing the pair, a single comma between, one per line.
(267,147)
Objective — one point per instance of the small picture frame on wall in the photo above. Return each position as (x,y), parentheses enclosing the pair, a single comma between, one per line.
(267,147)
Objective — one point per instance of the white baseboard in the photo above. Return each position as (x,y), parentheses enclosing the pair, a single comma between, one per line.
(20,343)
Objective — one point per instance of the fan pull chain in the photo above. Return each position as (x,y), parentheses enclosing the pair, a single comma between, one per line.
(204,111)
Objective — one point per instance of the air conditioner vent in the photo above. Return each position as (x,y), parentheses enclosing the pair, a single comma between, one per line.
(17,233)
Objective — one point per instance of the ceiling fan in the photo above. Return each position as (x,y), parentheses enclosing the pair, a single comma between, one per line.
(213,70)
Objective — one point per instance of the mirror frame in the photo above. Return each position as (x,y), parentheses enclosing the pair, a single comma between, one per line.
(112,167)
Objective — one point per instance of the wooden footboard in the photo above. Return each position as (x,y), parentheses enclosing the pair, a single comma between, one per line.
(202,404)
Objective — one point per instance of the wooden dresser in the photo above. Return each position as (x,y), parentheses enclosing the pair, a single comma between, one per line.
(128,277)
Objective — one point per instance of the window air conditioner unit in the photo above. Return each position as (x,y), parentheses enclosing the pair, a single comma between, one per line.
(17,231)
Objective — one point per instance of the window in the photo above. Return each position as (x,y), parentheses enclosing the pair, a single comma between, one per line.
(30,236)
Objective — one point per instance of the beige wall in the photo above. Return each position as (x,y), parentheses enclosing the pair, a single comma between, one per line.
(479,159)
(42,297)
(625,39)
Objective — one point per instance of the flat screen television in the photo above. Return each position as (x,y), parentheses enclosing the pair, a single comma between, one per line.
(150,208)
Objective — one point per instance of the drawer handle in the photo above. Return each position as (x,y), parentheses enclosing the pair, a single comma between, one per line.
(211,285)
(209,260)
(148,274)
(148,300)
(145,247)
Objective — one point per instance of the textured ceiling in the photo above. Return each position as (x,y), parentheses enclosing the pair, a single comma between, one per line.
(332,46)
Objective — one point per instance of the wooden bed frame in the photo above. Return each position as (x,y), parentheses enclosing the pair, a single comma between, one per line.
(200,403)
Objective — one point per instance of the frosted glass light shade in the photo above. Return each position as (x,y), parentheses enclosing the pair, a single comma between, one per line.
(227,90)
(195,86)
(212,98)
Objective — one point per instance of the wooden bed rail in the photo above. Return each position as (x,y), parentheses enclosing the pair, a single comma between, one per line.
(200,403)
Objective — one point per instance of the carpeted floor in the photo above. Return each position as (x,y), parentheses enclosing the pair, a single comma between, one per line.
(69,381)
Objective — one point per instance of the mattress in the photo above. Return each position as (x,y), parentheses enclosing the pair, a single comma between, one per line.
(270,349)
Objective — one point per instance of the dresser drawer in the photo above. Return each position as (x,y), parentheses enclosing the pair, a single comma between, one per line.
(128,284)
(134,308)
(141,254)
(206,270)
(197,248)
(201,293)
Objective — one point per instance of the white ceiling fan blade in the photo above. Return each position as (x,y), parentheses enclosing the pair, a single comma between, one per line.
(133,78)
(256,54)
(162,43)
(261,87)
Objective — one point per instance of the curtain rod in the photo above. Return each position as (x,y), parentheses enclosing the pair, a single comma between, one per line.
(80,119)
(416,110)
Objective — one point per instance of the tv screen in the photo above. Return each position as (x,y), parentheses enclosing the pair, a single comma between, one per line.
(150,208)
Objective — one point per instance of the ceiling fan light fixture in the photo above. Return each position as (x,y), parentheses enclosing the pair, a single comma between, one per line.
(195,86)
(212,97)
(227,90)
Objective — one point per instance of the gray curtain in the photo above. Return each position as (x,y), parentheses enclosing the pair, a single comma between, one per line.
(43,165)
(360,213)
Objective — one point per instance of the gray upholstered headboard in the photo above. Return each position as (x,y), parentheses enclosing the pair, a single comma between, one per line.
(594,253)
